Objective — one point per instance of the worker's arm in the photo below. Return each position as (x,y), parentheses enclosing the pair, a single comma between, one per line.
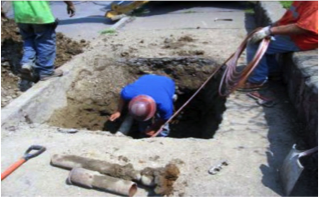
(155,127)
(287,30)
(117,114)
(70,8)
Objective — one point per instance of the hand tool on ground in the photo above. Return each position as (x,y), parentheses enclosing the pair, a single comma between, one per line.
(27,155)
(292,168)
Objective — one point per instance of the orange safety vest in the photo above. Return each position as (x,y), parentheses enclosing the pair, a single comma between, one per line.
(305,15)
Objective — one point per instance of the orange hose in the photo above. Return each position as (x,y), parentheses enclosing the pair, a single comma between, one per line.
(12,168)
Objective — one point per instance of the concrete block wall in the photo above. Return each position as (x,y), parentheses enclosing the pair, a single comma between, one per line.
(301,74)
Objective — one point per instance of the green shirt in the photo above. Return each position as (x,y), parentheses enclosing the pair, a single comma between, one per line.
(32,12)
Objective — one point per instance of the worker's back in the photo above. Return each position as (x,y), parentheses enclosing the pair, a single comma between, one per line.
(160,88)
(32,12)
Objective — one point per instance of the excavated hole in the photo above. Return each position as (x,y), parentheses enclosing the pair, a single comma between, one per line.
(94,94)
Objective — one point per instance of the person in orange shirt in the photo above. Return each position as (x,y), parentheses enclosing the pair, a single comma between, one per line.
(297,30)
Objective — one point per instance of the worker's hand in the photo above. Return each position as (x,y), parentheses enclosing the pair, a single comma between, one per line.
(115,116)
(71,10)
(261,34)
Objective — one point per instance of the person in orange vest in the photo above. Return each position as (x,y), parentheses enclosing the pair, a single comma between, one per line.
(37,28)
(296,31)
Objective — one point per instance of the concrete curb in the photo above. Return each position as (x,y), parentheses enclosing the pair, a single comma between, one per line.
(27,102)
(38,103)
(33,104)
(300,76)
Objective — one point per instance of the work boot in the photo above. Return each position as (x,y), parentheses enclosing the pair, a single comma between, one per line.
(24,85)
(26,68)
(31,76)
(56,73)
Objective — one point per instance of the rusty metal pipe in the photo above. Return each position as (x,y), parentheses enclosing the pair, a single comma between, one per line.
(93,179)
(69,162)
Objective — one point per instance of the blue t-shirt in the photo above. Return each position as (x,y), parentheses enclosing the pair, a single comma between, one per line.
(160,88)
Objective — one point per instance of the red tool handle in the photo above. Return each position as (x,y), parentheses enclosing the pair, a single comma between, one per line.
(27,155)
(12,168)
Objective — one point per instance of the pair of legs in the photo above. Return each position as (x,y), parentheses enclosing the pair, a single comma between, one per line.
(269,64)
(142,126)
(39,46)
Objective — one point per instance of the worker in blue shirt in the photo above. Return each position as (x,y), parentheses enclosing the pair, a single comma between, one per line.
(149,96)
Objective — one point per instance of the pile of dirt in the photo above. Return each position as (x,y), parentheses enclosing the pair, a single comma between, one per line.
(9,88)
(11,53)
(186,38)
(67,48)
(163,178)
(172,43)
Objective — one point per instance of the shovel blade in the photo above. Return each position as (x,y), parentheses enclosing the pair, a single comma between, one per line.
(291,170)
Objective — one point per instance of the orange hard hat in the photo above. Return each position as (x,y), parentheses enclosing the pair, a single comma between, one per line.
(142,107)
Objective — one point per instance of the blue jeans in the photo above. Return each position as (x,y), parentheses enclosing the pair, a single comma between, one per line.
(39,46)
(268,63)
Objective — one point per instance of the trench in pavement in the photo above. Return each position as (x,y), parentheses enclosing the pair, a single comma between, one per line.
(199,119)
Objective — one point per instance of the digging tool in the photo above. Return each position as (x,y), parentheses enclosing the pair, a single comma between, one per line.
(292,168)
(26,157)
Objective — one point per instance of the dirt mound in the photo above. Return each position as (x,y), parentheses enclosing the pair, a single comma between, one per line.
(186,38)
(67,48)
(164,178)
(12,51)
(172,43)
(9,88)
